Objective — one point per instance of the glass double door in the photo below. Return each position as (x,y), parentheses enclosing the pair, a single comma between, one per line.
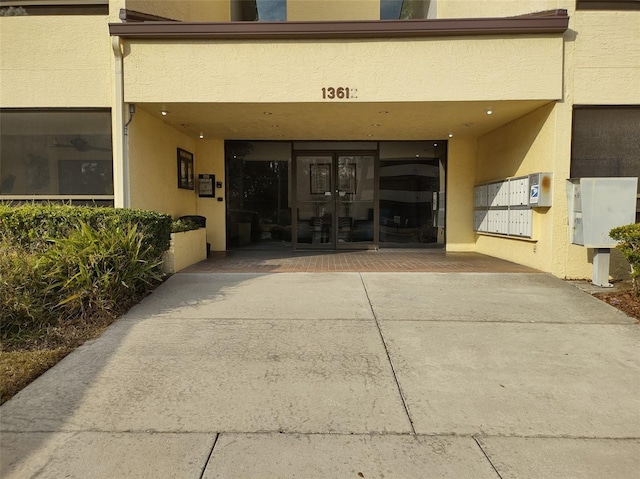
(335,200)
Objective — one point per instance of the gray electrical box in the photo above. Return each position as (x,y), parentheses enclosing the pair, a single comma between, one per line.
(540,190)
(597,205)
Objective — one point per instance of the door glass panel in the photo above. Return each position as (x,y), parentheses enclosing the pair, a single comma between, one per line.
(315,201)
(355,199)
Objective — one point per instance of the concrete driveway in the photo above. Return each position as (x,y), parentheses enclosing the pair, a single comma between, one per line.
(341,375)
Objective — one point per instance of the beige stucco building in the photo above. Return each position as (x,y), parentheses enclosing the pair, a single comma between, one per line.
(327,124)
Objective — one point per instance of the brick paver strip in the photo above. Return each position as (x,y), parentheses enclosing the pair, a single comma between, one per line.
(390,260)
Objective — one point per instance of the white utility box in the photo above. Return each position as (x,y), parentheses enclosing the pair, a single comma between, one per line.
(595,207)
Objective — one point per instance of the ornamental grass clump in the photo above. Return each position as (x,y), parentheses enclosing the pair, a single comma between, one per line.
(628,238)
(99,273)
(26,309)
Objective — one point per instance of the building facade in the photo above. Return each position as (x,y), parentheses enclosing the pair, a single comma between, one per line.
(327,124)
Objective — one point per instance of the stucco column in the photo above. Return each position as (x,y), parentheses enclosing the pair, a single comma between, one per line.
(461,161)
(210,160)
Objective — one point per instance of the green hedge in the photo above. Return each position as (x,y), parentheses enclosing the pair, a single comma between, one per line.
(628,238)
(33,226)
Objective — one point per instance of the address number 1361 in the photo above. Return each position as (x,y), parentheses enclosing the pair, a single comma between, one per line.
(340,93)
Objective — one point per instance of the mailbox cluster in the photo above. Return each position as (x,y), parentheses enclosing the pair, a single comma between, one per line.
(504,207)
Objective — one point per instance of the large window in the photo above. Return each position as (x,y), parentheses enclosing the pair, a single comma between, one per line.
(606,142)
(53,7)
(258,198)
(56,154)
(409,178)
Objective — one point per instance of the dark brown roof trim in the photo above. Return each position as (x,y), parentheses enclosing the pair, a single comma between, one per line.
(354,29)
(133,16)
(558,12)
(608,5)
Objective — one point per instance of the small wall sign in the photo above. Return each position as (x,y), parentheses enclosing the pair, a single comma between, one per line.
(205,186)
(185,169)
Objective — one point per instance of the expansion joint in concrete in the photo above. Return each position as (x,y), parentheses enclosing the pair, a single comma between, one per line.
(487,457)
(386,349)
(206,463)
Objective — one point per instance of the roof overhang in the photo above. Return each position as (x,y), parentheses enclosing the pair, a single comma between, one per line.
(550,22)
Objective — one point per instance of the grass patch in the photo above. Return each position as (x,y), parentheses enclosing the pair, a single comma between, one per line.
(19,368)
(23,361)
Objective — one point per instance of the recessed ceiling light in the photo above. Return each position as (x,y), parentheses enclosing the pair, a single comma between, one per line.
(489,112)
(450,135)
(201,135)
(417,156)
(164,112)
(435,144)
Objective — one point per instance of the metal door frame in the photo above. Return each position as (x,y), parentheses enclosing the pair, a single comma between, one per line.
(334,244)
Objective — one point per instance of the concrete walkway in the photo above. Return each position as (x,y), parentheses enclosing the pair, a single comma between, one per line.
(341,375)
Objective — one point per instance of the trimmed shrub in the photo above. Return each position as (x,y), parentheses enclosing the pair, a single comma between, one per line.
(179,226)
(31,225)
(628,237)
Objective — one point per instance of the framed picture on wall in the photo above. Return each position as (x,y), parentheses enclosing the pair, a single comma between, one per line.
(320,179)
(185,170)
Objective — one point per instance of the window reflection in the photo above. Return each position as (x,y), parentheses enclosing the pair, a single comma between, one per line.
(407,9)
(258,192)
(55,152)
(410,175)
(259,10)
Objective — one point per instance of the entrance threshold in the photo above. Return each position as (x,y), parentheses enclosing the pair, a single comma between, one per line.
(358,261)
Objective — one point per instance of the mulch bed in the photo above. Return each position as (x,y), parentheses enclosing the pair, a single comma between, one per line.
(626,301)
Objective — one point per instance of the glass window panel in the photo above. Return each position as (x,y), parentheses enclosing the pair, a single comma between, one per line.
(55,152)
(409,177)
(407,9)
(258,192)
(272,10)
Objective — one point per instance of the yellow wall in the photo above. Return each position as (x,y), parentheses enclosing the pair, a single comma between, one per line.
(184,10)
(607,58)
(333,10)
(460,69)
(51,61)
(497,8)
(210,160)
(153,166)
(461,157)
(526,145)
